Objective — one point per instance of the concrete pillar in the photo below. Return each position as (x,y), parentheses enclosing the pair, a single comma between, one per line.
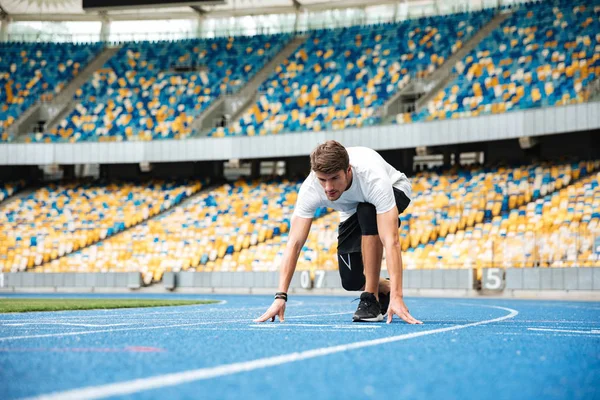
(408,158)
(595,145)
(255,169)
(4,29)
(447,158)
(200,26)
(68,172)
(296,20)
(105,30)
(218,170)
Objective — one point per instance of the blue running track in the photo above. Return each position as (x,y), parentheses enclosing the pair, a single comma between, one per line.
(466,349)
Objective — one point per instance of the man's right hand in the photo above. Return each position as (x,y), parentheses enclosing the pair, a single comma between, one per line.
(276,309)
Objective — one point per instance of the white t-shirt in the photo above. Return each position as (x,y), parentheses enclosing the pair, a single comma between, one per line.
(372,182)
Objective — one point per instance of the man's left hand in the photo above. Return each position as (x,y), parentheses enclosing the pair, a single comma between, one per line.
(398,307)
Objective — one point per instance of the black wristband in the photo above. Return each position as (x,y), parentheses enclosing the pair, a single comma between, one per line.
(281,295)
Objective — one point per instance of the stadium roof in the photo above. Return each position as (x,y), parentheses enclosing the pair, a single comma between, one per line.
(71,10)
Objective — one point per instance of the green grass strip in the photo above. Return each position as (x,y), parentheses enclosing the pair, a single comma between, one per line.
(40,304)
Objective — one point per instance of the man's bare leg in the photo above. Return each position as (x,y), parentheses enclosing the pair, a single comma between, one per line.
(372,253)
(384,286)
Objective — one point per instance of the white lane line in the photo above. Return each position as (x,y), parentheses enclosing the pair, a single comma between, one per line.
(141,328)
(277,330)
(126,314)
(563,330)
(566,326)
(560,321)
(66,324)
(582,305)
(338,326)
(178,378)
(77,333)
(542,334)
(318,315)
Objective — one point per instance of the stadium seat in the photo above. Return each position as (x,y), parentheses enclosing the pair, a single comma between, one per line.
(214,226)
(540,56)
(339,78)
(543,214)
(556,228)
(145,93)
(31,72)
(57,220)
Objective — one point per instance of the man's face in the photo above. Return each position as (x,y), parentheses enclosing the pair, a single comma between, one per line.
(334,184)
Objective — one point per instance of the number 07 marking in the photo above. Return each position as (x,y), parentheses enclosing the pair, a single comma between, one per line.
(306,282)
(319,278)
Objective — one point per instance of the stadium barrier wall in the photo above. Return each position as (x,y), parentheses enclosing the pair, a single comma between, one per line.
(465,280)
(510,125)
(81,280)
(553,279)
(413,279)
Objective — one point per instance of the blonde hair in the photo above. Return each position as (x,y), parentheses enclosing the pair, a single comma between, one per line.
(329,158)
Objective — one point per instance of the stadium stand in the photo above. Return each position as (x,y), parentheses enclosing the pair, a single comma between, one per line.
(144,92)
(554,231)
(31,72)
(543,55)
(339,78)
(449,202)
(462,217)
(319,252)
(214,224)
(448,205)
(464,200)
(243,227)
(59,219)
(540,214)
(447,247)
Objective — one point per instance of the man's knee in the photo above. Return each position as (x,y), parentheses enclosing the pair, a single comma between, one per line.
(353,284)
(367,218)
(351,271)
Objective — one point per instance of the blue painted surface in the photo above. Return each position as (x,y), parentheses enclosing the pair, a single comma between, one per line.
(500,360)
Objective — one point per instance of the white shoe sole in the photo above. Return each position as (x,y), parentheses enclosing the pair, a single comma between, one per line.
(378,318)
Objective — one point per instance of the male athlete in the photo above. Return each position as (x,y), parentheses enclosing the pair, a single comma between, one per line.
(369,194)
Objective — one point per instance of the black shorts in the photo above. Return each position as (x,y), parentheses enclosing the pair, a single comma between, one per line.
(350,233)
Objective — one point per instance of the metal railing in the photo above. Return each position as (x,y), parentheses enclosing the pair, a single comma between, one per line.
(305,26)
(526,250)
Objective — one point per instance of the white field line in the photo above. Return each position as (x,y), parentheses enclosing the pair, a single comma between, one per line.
(65,324)
(594,331)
